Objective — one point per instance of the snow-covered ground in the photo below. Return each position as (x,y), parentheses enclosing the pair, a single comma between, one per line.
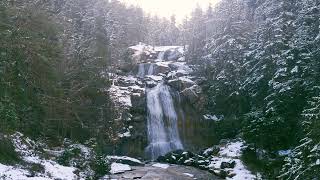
(25,147)
(232,152)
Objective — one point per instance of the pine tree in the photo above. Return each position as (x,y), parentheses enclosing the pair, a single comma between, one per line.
(224,58)
(304,163)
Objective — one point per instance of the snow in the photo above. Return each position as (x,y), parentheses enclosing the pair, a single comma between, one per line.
(163,63)
(140,47)
(125,101)
(188,174)
(211,117)
(143,47)
(166,48)
(155,78)
(186,79)
(136,87)
(233,149)
(131,79)
(284,152)
(126,134)
(120,95)
(119,168)
(232,152)
(241,172)
(124,158)
(57,171)
(180,68)
(163,166)
(294,70)
(26,148)
(13,173)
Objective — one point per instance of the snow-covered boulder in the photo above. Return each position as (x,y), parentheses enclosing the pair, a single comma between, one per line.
(125,160)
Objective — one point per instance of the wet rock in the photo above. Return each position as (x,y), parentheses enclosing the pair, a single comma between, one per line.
(222,173)
(138,100)
(190,95)
(190,162)
(138,118)
(231,175)
(181,83)
(230,164)
(161,69)
(151,84)
(213,151)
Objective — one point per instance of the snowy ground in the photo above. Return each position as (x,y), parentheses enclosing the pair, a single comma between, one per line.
(26,148)
(232,152)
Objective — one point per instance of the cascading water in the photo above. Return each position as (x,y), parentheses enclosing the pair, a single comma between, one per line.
(151,69)
(161,55)
(141,71)
(162,119)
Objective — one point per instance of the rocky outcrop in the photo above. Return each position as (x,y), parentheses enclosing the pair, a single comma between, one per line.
(223,160)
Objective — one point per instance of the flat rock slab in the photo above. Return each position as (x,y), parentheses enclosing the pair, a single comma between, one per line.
(173,172)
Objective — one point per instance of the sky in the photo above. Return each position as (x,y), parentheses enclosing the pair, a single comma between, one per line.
(166,8)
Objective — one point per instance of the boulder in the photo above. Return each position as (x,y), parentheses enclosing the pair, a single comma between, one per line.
(181,83)
(213,151)
(222,173)
(161,69)
(173,66)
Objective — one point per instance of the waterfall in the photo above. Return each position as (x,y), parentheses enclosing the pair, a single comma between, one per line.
(151,69)
(141,71)
(161,55)
(162,118)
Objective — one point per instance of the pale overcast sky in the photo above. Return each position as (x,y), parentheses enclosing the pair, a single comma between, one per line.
(165,8)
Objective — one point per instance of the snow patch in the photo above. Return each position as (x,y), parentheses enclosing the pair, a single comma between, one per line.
(26,148)
(186,79)
(119,168)
(284,152)
(211,117)
(155,78)
(188,174)
(124,158)
(120,95)
(233,149)
(163,166)
(126,134)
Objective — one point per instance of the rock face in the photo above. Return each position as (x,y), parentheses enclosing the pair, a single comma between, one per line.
(178,102)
